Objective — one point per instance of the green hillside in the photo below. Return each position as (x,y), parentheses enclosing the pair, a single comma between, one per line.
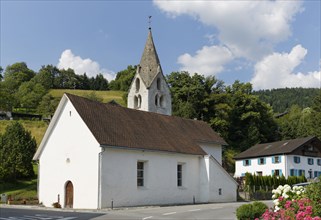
(38,128)
(105,95)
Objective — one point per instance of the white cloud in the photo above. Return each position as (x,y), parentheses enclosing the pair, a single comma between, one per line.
(207,61)
(277,71)
(250,29)
(81,66)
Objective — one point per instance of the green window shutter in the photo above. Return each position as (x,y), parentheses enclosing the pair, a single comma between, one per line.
(272,172)
(280,172)
(273,160)
(280,159)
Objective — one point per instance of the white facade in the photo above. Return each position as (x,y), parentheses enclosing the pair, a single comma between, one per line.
(279,165)
(102,175)
(156,98)
(67,157)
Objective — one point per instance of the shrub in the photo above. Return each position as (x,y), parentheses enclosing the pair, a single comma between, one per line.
(251,211)
(56,205)
(313,192)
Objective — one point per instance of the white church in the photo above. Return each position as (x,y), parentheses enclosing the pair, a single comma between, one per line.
(95,155)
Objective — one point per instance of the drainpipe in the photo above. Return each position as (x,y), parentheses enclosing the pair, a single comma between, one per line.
(285,166)
(99,176)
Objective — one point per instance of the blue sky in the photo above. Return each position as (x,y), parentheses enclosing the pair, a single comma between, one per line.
(272,44)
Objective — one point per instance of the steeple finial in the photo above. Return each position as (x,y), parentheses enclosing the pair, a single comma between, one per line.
(149,22)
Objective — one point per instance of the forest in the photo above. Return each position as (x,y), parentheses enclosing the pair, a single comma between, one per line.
(243,117)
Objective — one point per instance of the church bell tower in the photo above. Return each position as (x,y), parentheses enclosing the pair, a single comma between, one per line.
(149,90)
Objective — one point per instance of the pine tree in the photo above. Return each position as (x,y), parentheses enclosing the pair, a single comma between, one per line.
(17,148)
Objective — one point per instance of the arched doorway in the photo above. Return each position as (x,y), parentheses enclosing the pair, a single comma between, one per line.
(69,195)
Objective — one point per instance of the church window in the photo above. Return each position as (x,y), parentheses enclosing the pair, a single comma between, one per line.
(140,173)
(158,83)
(156,100)
(162,101)
(137,82)
(137,101)
(179,174)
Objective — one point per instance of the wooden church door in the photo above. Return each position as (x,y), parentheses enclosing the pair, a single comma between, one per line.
(69,196)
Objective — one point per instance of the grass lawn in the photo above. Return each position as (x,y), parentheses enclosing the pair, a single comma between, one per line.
(37,128)
(105,95)
(22,189)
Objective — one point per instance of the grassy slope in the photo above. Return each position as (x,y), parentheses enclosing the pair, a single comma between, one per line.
(105,95)
(28,188)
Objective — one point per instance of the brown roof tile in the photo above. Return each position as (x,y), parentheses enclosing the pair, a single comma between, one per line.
(275,148)
(113,125)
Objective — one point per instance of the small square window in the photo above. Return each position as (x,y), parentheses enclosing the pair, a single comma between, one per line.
(246,162)
(261,161)
(296,159)
(310,161)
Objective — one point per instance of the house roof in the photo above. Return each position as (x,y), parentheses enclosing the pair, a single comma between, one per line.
(275,148)
(149,63)
(117,126)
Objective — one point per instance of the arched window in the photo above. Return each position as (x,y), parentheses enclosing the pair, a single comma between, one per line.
(156,100)
(139,101)
(162,101)
(137,82)
(136,102)
(158,83)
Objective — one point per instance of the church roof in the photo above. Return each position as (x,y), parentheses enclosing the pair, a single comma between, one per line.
(149,63)
(117,126)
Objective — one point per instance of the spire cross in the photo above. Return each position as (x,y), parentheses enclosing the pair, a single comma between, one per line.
(149,22)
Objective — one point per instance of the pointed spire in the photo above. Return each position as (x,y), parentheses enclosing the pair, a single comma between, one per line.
(149,65)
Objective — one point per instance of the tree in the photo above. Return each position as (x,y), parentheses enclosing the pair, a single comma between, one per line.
(30,94)
(1,77)
(48,105)
(46,76)
(17,148)
(16,74)
(190,94)
(98,83)
(123,79)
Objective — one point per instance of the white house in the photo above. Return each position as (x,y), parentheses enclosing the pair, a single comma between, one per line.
(289,158)
(96,155)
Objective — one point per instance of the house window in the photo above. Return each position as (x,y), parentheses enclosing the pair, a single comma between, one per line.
(276,159)
(259,173)
(246,162)
(319,162)
(179,174)
(276,172)
(296,159)
(140,173)
(261,161)
(301,172)
(310,161)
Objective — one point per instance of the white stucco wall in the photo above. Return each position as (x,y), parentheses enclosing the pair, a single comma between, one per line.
(287,163)
(266,168)
(70,154)
(166,107)
(120,178)
(148,96)
(214,150)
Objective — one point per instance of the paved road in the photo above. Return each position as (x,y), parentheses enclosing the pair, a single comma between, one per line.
(217,211)
(36,214)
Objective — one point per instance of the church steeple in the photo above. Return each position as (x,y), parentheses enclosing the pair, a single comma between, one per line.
(149,65)
(149,90)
